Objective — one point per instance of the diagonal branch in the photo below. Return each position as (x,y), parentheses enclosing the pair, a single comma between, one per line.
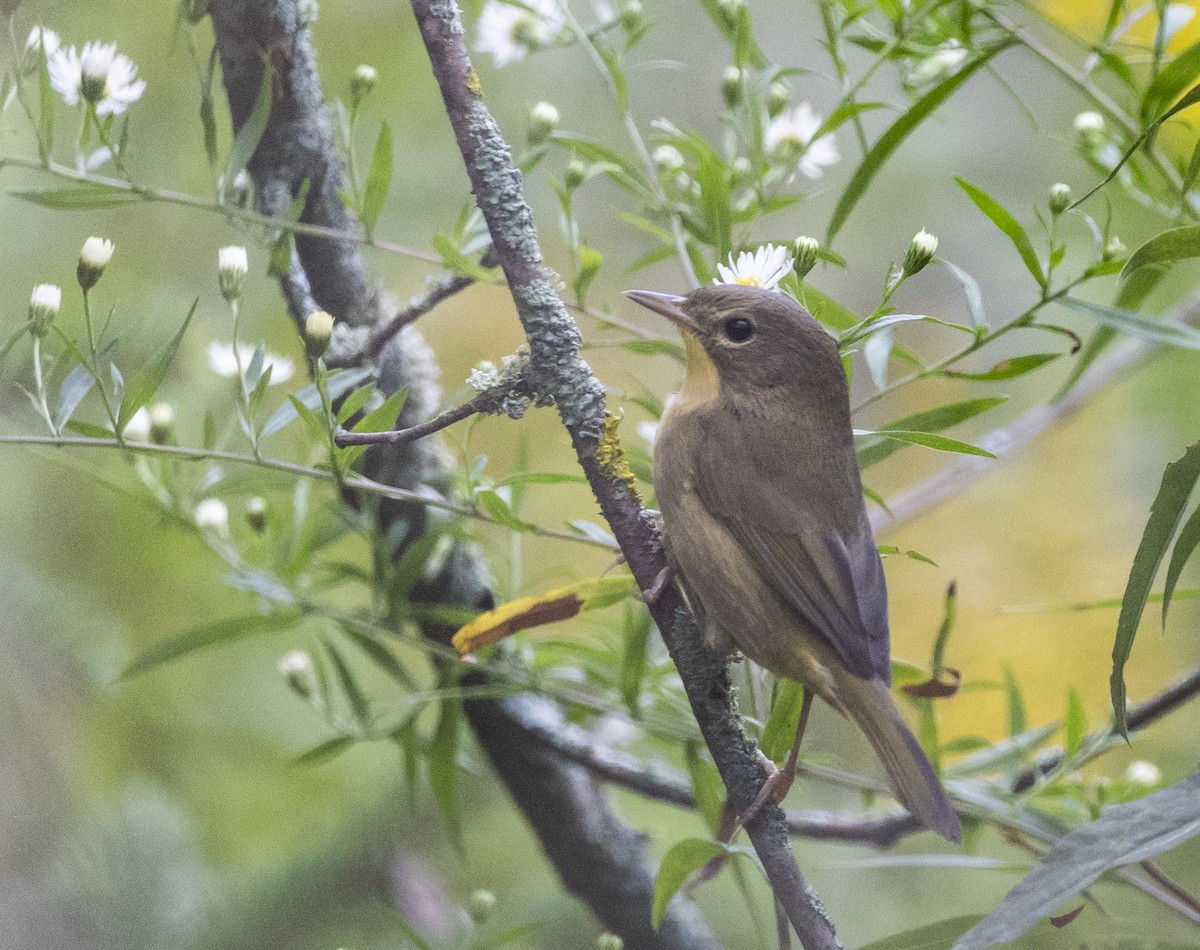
(554,343)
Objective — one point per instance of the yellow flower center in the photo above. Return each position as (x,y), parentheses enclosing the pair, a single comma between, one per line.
(749,281)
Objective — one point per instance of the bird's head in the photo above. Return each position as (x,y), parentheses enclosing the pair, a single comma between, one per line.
(755,340)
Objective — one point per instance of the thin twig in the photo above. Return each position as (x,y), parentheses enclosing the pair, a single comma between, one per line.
(1171,886)
(412,433)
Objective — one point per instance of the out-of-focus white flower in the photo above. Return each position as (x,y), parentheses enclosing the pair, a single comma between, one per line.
(41,37)
(1143,773)
(138,426)
(790,136)
(1089,122)
(232,267)
(44,304)
(318,331)
(222,361)
(162,423)
(508,32)
(362,82)
(668,158)
(950,55)
(99,75)
(543,118)
(212,513)
(648,430)
(765,268)
(93,258)
(296,668)
(1175,17)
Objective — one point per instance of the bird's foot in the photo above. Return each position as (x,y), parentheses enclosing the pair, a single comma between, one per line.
(652,593)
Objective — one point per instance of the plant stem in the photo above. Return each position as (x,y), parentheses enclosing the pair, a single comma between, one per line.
(94,367)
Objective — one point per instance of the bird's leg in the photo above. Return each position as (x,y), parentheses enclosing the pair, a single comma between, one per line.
(780,781)
(662,580)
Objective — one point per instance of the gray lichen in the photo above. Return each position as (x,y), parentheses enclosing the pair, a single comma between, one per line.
(508,389)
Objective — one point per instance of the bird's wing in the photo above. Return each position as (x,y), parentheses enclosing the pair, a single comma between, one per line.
(801,521)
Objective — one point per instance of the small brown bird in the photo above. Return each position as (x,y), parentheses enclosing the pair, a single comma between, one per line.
(763,509)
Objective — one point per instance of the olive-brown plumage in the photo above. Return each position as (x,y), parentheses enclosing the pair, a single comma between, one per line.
(762,502)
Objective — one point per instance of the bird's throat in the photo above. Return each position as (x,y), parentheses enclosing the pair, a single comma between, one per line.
(701,383)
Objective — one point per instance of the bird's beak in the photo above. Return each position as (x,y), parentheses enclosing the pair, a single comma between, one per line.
(667,305)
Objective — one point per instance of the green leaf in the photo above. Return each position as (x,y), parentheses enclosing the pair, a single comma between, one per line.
(87,197)
(633,659)
(340,383)
(245,142)
(1171,81)
(74,388)
(454,259)
(1176,244)
(780,730)
(1124,834)
(996,213)
(1076,722)
(684,858)
(1157,331)
(327,750)
(971,292)
(355,698)
(379,180)
(882,150)
(208,116)
(875,450)
(495,506)
(543,478)
(707,787)
(1007,369)
(714,203)
(589,266)
(939,936)
(380,655)
(669,348)
(625,173)
(1016,703)
(826,310)
(939,442)
(381,419)
(209,635)
(443,764)
(1185,544)
(146,383)
(1165,514)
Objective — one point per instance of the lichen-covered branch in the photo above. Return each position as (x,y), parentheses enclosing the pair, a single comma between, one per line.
(328,274)
(559,372)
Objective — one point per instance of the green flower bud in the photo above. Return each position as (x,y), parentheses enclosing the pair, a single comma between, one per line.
(480,905)
(93,258)
(631,15)
(361,83)
(575,174)
(232,268)
(256,514)
(920,252)
(44,304)
(543,119)
(778,97)
(805,250)
(318,331)
(1114,250)
(296,668)
(607,941)
(162,423)
(667,158)
(731,86)
(1060,198)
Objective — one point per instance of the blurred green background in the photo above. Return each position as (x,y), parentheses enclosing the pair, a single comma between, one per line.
(169,811)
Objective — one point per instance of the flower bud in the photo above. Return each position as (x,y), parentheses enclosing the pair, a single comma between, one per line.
(731,10)
(543,119)
(1114,250)
(608,941)
(1060,198)
(1088,122)
(296,668)
(631,15)
(361,84)
(256,514)
(805,250)
(731,86)
(162,423)
(575,174)
(40,40)
(212,514)
(138,426)
(232,267)
(778,97)
(318,330)
(920,252)
(480,905)
(1143,773)
(93,258)
(44,304)
(667,158)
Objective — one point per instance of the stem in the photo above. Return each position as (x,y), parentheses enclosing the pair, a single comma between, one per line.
(40,385)
(95,368)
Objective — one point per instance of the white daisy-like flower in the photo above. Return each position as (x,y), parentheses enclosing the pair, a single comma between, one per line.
(212,513)
(138,426)
(1175,17)
(765,268)
(41,37)
(1143,773)
(99,75)
(790,135)
(1089,122)
(222,361)
(950,55)
(509,31)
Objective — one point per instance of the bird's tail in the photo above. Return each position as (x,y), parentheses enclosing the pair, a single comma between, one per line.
(910,774)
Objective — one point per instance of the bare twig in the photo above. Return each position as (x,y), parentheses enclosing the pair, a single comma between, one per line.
(554,343)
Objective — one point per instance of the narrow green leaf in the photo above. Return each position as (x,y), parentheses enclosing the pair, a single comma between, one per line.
(88,197)
(1185,544)
(208,116)
(543,478)
(939,442)
(714,203)
(684,858)
(327,750)
(498,508)
(340,383)
(1157,331)
(443,765)
(381,419)
(633,659)
(74,388)
(1016,703)
(971,292)
(379,179)
(1076,722)
(355,698)
(707,787)
(380,655)
(875,450)
(939,936)
(1171,81)
(669,348)
(1175,244)
(780,730)
(1165,514)
(882,150)
(1007,369)
(209,635)
(245,142)
(997,214)
(1124,834)
(147,381)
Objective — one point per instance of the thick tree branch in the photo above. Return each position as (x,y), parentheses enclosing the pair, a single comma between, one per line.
(554,342)
(296,147)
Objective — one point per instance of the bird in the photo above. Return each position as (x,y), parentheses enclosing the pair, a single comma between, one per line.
(764,521)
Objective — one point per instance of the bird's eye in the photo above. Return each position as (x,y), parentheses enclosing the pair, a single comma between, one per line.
(739,329)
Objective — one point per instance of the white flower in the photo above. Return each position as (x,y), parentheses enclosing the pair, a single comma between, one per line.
(44,304)
(1089,122)
(99,75)
(765,268)
(232,267)
(296,668)
(41,37)
(920,252)
(1143,773)
(668,158)
(138,427)
(223,362)
(648,430)
(1175,18)
(510,31)
(212,513)
(950,55)
(790,135)
(93,258)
